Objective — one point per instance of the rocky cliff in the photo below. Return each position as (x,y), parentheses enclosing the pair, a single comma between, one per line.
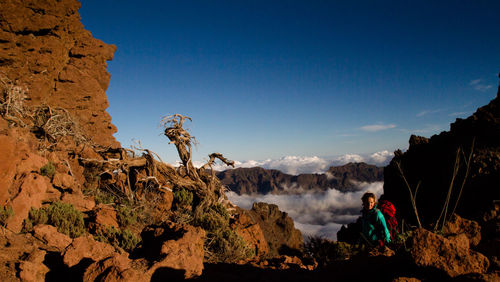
(262,181)
(430,165)
(46,52)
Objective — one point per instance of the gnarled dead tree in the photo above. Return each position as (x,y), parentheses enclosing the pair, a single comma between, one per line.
(206,187)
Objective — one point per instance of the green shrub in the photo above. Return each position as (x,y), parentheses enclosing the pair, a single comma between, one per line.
(183,198)
(222,243)
(5,214)
(118,238)
(48,170)
(126,215)
(104,197)
(326,252)
(64,216)
(227,246)
(215,218)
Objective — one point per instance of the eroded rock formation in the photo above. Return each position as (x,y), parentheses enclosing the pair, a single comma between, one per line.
(45,49)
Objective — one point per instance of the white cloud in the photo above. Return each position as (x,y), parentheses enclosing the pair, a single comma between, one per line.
(382,157)
(474,82)
(349,158)
(483,87)
(320,213)
(479,86)
(297,165)
(455,114)
(377,127)
(428,112)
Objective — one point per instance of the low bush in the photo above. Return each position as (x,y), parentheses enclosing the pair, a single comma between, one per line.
(226,246)
(215,218)
(126,215)
(182,198)
(5,214)
(104,197)
(48,170)
(118,238)
(326,252)
(222,243)
(64,216)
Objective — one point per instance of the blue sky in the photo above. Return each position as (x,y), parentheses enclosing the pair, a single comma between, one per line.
(268,79)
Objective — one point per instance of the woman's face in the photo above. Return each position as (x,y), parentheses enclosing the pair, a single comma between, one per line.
(368,204)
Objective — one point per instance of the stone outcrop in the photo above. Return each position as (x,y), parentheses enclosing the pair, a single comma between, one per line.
(430,162)
(457,225)
(451,255)
(115,268)
(51,237)
(86,247)
(45,49)
(258,180)
(251,232)
(174,247)
(278,228)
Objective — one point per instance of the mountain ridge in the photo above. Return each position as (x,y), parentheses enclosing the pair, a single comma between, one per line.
(258,180)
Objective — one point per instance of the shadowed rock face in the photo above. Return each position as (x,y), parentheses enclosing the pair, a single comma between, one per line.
(431,162)
(278,228)
(258,180)
(44,47)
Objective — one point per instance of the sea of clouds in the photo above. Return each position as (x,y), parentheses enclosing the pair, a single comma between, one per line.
(296,165)
(315,213)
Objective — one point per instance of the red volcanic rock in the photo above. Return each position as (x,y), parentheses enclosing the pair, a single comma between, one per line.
(278,229)
(51,237)
(251,232)
(406,279)
(105,215)
(32,268)
(178,247)
(452,255)
(457,225)
(115,268)
(44,46)
(86,247)
(63,181)
(31,194)
(79,201)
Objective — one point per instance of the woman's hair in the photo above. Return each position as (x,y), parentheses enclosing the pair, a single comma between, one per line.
(369,195)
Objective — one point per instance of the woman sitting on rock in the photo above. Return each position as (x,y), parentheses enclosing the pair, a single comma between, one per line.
(373,227)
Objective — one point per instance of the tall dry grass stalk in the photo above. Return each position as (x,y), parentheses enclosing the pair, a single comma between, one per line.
(413,195)
(443,217)
(467,170)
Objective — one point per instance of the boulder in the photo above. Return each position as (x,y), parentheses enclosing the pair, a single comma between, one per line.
(79,201)
(171,246)
(451,255)
(32,268)
(86,247)
(115,268)
(51,237)
(63,181)
(104,215)
(457,225)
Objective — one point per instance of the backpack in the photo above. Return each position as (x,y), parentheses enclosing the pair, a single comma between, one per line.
(389,212)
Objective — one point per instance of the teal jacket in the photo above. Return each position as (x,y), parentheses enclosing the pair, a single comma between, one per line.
(373,226)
